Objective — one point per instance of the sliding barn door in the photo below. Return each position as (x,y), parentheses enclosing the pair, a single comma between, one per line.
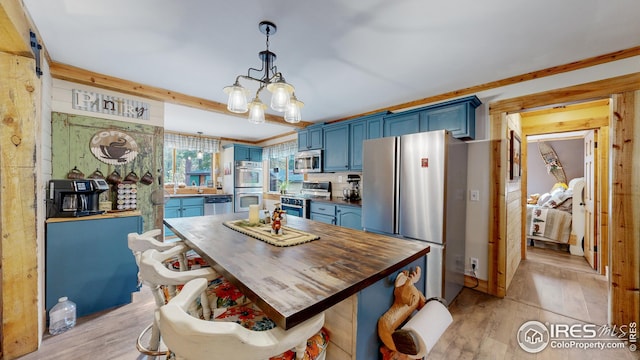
(590,178)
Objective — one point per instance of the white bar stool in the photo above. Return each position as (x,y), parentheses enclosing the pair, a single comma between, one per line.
(190,338)
(155,274)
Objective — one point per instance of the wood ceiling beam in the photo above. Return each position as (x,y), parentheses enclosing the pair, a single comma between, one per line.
(86,77)
(14,29)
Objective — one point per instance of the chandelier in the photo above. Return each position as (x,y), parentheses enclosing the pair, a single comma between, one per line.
(283,98)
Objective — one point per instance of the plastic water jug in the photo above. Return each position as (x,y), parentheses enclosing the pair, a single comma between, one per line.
(62,316)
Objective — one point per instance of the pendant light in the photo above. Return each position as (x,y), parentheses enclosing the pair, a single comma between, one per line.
(200,154)
(282,98)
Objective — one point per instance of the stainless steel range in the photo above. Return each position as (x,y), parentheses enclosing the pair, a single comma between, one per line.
(298,204)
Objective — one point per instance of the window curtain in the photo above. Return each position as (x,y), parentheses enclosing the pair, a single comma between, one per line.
(279,151)
(186,142)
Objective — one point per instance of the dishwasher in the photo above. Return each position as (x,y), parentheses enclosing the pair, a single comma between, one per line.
(216,205)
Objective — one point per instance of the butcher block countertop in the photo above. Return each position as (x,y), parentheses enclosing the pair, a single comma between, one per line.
(292,284)
(107,215)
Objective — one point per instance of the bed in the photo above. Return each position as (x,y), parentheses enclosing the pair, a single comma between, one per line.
(558,217)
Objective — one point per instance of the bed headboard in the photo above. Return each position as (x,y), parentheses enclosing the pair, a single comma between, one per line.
(577,213)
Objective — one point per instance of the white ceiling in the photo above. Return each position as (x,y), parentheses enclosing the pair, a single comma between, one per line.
(343,57)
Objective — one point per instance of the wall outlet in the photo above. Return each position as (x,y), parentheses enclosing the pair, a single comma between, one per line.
(474,195)
(474,264)
(339,178)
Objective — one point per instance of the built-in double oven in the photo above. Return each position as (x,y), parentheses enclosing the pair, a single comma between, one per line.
(248,174)
(247,196)
(248,185)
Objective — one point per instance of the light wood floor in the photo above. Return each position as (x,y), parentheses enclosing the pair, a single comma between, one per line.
(484,326)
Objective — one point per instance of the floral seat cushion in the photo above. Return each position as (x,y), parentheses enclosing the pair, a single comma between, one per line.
(220,294)
(194,261)
(231,305)
(252,318)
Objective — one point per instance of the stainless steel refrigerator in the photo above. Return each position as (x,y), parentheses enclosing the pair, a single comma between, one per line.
(414,186)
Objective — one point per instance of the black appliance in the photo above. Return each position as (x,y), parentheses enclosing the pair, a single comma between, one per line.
(73,198)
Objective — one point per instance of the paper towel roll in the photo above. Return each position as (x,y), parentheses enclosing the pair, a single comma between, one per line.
(428,325)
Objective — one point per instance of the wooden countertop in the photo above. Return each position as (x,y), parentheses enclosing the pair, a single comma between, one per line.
(196,195)
(340,201)
(108,215)
(292,284)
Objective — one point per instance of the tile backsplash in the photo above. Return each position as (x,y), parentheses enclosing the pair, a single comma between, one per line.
(336,184)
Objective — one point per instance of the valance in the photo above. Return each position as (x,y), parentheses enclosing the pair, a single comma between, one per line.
(195,143)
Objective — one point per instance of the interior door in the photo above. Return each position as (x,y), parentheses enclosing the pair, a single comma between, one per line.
(590,168)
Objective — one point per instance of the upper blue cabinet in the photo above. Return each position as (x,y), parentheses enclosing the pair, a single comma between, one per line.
(247,153)
(457,116)
(403,123)
(310,138)
(336,144)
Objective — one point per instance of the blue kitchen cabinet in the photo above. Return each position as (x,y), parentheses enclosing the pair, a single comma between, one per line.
(403,123)
(368,127)
(310,138)
(358,135)
(323,212)
(247,153)
(374,126)
(178,207)
(336,147)
(88,260)
(349,216)
(457,116)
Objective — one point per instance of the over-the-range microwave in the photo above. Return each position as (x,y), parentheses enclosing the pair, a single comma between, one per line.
(307,162)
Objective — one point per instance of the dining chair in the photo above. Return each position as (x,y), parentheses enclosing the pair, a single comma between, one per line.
(155,274)
(192,338)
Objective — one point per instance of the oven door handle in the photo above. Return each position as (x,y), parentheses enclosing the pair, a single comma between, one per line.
(292,206)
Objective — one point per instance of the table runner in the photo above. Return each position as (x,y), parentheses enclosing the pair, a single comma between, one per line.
(289,237)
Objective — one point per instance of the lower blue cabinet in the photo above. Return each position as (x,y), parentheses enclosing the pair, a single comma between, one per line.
(89,262)
(349,216)
(183,207)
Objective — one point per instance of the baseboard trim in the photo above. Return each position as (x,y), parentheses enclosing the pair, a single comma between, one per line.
(470,282)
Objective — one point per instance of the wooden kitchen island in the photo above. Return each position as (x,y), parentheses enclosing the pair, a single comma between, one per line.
(345,269)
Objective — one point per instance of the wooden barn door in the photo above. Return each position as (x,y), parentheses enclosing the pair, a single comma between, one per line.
(590,168)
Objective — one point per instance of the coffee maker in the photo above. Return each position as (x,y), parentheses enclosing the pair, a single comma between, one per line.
(352,191)
(75,197)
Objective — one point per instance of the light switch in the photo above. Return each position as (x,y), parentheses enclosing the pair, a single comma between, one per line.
(474,195)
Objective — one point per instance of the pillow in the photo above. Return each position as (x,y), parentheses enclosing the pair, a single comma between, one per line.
(559,185)
(566,205)
(557,197)
(543,198)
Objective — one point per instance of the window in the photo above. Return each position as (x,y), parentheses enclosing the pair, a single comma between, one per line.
(181,163)
(281,176)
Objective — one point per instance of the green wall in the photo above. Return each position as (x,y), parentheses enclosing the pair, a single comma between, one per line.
(71,135)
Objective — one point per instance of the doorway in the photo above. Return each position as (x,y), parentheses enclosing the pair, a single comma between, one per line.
(568,283)
(586,124)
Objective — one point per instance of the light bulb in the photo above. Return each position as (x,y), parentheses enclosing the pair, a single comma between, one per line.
(256,111)
(293,113)
(237,102)
(280,95)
